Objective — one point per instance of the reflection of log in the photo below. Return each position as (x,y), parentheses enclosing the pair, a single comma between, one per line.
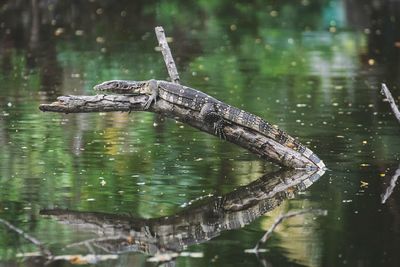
(242,136)
(192,226)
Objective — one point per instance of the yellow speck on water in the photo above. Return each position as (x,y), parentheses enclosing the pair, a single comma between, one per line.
(371,61)
(59,31)
(364,164)
(273,13)
(100,39)
(363,184)
(79,32)
(364,142)
(382,174)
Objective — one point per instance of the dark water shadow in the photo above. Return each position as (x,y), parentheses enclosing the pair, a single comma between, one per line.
(196,224)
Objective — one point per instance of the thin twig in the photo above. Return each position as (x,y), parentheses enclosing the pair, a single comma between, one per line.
(44,251)
(392,185)
(385,91)
(168,59)
(283,217)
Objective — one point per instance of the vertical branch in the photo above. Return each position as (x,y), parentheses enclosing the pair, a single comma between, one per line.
(385,91)
(168,59)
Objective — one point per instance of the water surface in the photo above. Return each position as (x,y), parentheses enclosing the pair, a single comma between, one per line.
(313,68)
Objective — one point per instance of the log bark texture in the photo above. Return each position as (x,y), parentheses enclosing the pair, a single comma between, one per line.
(254,142)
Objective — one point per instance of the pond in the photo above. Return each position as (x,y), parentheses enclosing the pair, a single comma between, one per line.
(312,67)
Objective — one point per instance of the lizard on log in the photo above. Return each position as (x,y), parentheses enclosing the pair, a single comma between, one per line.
(212,111)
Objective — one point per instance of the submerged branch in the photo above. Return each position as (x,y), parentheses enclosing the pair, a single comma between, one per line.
(385,91)
(44,251)
(280,219)
(236,134)
(74,259)
(392,185)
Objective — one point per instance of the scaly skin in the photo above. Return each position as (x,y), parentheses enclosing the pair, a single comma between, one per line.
(211,109)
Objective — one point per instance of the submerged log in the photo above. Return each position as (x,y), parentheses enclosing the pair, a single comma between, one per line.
(253,141)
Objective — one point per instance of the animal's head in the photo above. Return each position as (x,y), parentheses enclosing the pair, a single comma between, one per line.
(121,86)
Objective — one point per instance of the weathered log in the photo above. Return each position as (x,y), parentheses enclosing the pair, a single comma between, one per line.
(242,136)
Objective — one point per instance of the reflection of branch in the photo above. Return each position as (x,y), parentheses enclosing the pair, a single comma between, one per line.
(169,256)
(281,219)
(75,259)
(392,185)
(385,91)
(168,59)
(44,251)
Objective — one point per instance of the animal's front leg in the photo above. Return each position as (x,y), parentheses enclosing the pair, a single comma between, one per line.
(153,90)
(152,98)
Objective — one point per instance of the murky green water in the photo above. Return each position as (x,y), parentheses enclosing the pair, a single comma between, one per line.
(312,67)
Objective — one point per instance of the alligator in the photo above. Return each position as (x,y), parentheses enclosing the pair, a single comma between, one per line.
(211,110)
